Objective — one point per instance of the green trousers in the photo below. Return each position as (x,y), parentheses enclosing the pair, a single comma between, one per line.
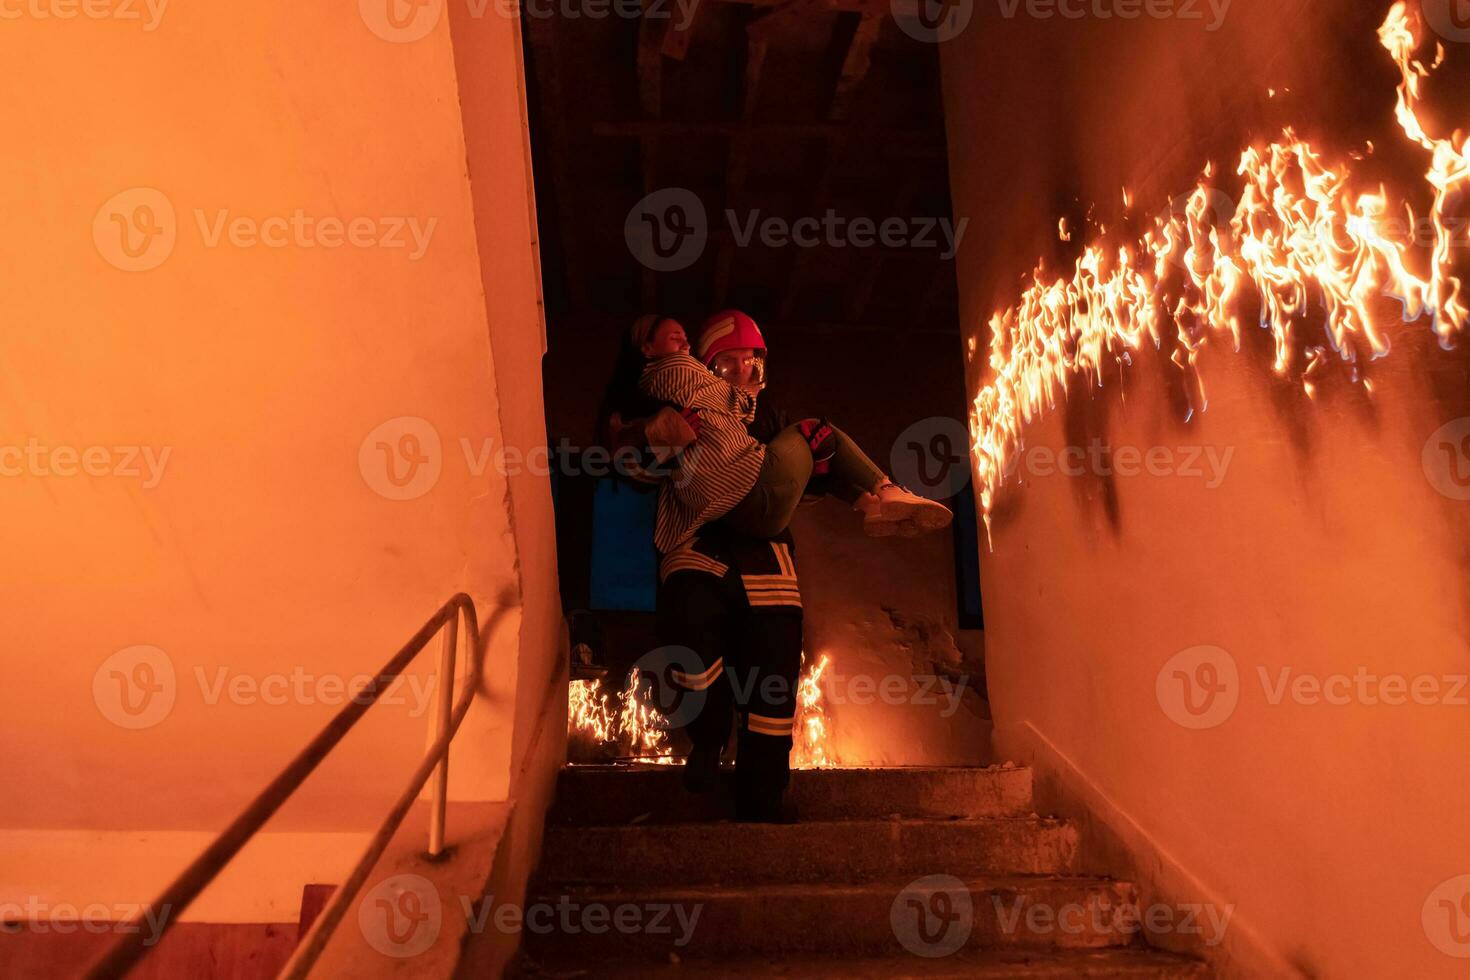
(786,475)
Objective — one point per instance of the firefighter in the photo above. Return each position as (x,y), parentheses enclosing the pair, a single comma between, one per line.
(732,602)
(736,602)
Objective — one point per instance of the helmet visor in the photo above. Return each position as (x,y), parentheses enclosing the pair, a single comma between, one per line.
(740,369)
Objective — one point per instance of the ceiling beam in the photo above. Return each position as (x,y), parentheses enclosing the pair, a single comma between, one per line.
(909,141)
(551,91)
(831,6)
(651,36)
(872,258)
(680,33)
(940,282)
(855,65)
(738,155)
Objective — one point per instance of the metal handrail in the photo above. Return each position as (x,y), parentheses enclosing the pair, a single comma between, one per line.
(132,945)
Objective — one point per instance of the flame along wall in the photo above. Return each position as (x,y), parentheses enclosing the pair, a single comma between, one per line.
(273,558)
(1315,544)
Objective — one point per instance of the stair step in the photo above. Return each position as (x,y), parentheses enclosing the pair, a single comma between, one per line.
(848,850)
(842,919)
(989,964)
(620,794)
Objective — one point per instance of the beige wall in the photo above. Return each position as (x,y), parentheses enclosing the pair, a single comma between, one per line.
(270,547)
(1324,550)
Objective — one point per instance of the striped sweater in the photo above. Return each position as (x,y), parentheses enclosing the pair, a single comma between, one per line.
(721,466)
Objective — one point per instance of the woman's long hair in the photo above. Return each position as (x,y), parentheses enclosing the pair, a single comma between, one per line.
(622,396)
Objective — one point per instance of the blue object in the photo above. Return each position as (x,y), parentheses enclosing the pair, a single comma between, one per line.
(624,567)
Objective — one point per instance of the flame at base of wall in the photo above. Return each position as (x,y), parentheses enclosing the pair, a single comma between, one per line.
(1302,241)
(629,726)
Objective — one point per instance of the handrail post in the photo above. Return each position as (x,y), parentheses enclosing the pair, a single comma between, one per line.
(440,790)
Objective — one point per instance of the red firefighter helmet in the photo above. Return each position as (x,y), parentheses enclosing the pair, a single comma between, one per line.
(732,330)
(729,330)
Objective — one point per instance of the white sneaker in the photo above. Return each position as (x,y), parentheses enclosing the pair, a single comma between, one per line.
(894,512)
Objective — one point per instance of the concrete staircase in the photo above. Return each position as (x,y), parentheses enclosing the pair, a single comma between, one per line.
(891,872)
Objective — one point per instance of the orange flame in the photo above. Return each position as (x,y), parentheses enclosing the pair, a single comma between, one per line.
(641,723)
(1299,238)
(587,711)
(638,726)
(813,740)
